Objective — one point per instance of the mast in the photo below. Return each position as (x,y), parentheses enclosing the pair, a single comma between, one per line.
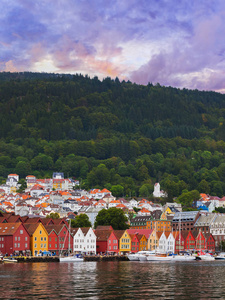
(69,235)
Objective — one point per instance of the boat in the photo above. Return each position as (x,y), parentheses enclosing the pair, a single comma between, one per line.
(159,257)
(133,256)
(184,257)
(206,256)
(73,258)
(140,255)
(220,256)
(9,260)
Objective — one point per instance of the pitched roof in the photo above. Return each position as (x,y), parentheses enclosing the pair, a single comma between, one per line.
(31,228)
(9,228)
(102,235)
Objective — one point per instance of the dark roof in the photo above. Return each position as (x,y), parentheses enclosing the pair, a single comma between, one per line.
(102,235)
(156,214)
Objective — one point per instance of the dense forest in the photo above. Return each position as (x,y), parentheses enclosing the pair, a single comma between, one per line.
(112,134)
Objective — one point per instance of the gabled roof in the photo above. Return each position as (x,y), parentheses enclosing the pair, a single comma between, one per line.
(14,219)
(102,235)
(33,220)
(9,228)
(31,228)
(118,233)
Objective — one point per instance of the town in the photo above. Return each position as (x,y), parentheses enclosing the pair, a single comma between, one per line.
(26,226)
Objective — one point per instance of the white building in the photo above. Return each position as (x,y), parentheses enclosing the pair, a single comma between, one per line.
(84,240)
(157,193)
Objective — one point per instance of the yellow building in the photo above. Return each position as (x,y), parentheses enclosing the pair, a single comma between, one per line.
(159,225)
(38,238)
(143,242)
(125,242)
(153,240)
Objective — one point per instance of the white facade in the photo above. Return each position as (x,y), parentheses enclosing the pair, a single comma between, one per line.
(84,242)
(157,193)
(171,243)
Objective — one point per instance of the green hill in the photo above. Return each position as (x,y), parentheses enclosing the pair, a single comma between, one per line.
(114,134)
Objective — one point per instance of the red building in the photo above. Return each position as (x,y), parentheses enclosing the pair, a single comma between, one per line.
(179,242)
(200,241)
(135,242)
(102,234)
(113,241)
(189,243)
(14,238)
(210,242)
(59,238)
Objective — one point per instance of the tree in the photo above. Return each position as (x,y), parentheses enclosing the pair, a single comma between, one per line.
(53,216)
(81,220)
(112,216)
(117,190)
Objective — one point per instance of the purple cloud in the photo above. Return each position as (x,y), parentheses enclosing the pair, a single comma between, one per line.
(177,43)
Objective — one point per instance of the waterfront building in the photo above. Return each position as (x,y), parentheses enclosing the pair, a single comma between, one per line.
(84,240)
(113,241)
(60,240)
(171,243)
(135,243)
(217,229)
(102,234)
(14,238)
(179,241)
(200,241)
(38,237)
(125,243)
(153,240)
(163,242)
(185,221)
(189,243)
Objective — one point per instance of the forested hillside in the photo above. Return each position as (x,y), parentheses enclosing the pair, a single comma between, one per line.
(112,134)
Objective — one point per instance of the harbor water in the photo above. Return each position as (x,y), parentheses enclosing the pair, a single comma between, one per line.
(113,280)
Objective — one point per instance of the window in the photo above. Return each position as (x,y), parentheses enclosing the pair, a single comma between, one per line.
(50,239)
(18,238)
(44,238)
(44,245)
(0,239)
(41,245)
(50,245)
(35,245)
(21,231)
(56,239)
(40,232)
(25,238)
(15,238)
(41,238)
(35,238)
(15,245)
(55,245)
(18,245)
(25,245)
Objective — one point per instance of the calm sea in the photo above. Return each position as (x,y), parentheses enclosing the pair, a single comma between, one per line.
(113,280)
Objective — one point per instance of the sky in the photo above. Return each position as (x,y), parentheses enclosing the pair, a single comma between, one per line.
(178,43)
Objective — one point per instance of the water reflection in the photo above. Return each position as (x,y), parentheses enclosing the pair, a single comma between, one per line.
(113,280)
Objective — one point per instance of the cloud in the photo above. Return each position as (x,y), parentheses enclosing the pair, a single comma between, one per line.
(177,43)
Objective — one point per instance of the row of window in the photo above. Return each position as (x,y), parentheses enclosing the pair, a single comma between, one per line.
(114,241)
(35,238)
(114,248)
(17,245)
(42,245)
(1,239)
